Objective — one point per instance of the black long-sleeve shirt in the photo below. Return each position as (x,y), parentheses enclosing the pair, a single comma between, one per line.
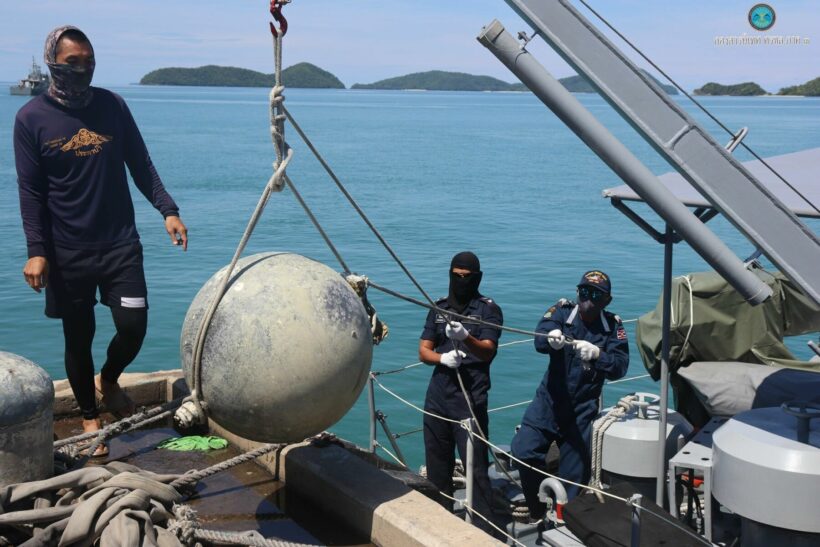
(71,173)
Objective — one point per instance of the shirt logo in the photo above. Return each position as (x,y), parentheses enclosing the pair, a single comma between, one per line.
(85,143)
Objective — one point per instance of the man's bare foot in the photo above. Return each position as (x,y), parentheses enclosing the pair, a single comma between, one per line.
(90,426)
(114,398)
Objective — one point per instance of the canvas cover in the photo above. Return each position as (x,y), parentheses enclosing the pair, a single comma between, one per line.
(710,321)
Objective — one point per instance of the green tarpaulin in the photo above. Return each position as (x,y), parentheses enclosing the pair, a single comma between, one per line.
(712,322)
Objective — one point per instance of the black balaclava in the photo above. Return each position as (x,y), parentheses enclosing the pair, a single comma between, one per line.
(464,289)
(70,86)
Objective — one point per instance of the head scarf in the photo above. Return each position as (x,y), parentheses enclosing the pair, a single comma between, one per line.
(464,289)
(70,86)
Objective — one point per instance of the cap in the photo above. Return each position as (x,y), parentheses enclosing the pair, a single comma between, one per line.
(597,279)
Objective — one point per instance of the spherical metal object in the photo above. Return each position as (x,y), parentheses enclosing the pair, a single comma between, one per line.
(287,352)
(26,421)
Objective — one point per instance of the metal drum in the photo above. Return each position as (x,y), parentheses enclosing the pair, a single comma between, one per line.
(767,470)
(288,350)
(26,421)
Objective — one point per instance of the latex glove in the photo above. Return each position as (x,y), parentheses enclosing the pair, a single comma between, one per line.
(556,339)
(587,350)
(456,331)
(452,358)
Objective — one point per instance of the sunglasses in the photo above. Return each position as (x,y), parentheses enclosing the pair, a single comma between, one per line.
(588,293)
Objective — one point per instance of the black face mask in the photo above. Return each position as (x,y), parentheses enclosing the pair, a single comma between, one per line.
(463,290)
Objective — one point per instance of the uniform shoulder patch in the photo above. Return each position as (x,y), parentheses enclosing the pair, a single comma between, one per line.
(621,332)
(487,300)
(549,312)
(564,303)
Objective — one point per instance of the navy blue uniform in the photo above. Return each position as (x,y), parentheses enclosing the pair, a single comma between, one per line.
(445,398)
(566,401)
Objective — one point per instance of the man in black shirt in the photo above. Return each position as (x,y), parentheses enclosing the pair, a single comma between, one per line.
(460,347)
(71,148)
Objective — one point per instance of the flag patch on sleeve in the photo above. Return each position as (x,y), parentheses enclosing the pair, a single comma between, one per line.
(621,333)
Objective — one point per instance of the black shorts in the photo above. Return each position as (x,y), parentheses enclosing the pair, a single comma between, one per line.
(75,274)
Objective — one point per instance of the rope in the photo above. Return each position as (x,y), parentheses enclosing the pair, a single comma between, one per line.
(419,363)
(192,477)
(356,206)
(691,313)
(698,104)
(408,403)
(283,157)
(395,458)
(451,314)
(318,226)
(126,424)
(598,429)
(482,517)
(251,537)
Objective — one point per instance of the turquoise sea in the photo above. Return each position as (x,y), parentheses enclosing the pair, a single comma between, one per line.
(496,173)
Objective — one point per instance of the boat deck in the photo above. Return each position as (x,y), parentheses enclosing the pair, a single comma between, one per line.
(245,497)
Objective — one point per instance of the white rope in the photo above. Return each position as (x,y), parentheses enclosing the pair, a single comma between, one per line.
(522,403)
(599,427)
(397,460)
(482,517)
(546,474)
(691,312)
(276,182)
(411,405)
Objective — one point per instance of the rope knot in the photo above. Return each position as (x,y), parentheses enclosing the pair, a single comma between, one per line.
(184,523)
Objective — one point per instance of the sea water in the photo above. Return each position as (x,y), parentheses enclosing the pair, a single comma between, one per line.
(437,173)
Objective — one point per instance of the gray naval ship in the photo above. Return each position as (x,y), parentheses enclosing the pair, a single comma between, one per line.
(34,84)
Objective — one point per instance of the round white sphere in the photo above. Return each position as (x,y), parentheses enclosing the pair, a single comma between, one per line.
(288,350)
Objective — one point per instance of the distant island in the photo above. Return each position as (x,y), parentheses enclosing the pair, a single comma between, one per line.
(303,75)
(306,75)
(809,89)
(439,80)
(746,89)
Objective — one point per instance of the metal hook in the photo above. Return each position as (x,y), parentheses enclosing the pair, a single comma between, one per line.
(276,11)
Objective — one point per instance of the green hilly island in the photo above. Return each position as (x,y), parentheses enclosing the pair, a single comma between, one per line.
(304,75)
(438,80)
(809,89)
(746,89)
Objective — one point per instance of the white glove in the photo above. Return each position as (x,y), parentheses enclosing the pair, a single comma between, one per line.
(452,358)
(456,331)
(556,339)
(587,350)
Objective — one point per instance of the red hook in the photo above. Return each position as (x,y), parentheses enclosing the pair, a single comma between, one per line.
(276,12)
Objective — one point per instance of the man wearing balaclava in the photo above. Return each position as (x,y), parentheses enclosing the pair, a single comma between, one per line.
(460,340)
(586,345)
(71,147)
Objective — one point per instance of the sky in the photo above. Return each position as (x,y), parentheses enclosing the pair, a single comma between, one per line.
(362,41)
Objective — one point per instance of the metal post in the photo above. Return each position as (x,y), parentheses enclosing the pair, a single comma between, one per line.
(664,402)
(371,399)
(621,160)
(383,419)
(468,425)
(635,540)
